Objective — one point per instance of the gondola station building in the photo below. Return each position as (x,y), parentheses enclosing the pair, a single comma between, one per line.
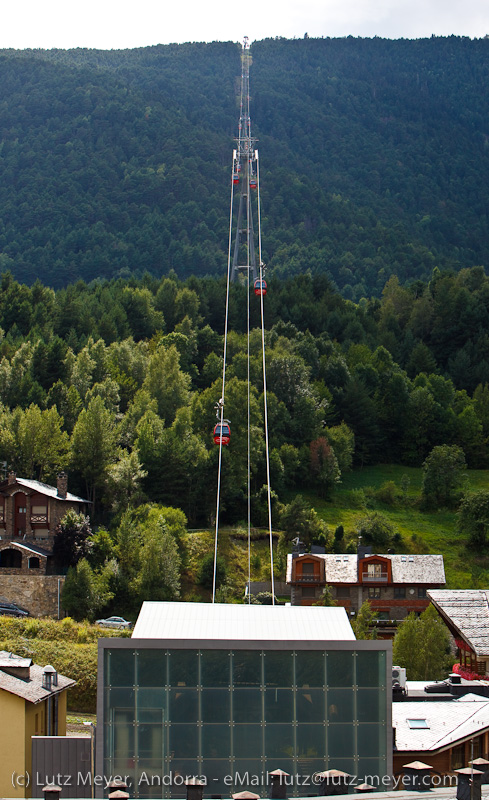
(230,693)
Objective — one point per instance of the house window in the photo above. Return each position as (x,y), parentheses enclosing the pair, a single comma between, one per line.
(374,570)
(421,593)
(308,591)
(308,569)
(458,756)
(342,591)
(417,724)
(373,592)
(399,592)
(34,563)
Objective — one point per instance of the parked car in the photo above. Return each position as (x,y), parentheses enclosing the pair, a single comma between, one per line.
(114,622)
(12,610)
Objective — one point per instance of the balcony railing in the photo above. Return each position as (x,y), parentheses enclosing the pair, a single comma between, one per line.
(308,579)
(39,518)
(375,577)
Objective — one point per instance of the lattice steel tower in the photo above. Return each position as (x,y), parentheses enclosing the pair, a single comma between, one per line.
(245,179)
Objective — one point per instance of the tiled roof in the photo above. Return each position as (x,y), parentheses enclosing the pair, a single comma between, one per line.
(30,689)
(448,722)
(466,610)
(233,622)
(50,491)
(410,569)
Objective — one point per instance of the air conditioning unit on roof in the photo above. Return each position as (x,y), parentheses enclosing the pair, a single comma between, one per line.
(399,676)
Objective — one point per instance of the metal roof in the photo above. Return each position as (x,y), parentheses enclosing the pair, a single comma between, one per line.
(410,569)
(31,548)
(44,488)
(448,722)
(231,622)
(467,611)
(30,689)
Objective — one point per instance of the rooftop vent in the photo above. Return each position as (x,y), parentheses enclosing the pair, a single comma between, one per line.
(49,677)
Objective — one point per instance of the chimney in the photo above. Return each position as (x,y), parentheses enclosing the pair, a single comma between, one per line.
(49,677)
(51,792)
(12,477)
(62,485)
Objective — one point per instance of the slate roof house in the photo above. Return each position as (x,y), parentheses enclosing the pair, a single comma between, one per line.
(446,735)
(32,702)
(466,615)
(394,585)
(29,513)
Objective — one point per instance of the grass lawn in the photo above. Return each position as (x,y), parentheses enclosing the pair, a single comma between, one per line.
(421,531)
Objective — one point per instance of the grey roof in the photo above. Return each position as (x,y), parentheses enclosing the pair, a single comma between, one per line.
(410,569)
(467,611)
(30,689)
(231,622)
(448,722)
(50,491)
(31,548)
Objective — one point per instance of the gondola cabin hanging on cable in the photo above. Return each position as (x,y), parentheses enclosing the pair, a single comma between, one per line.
(260,287)
(222,433)
(253,183)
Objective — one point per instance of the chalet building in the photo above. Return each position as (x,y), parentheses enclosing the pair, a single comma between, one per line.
(394,585)
(466,615)
(443,735)
(29,513)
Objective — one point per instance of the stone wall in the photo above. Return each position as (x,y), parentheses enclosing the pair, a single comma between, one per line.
(36,593)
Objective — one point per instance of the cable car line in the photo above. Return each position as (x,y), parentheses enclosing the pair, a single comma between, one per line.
(245,176)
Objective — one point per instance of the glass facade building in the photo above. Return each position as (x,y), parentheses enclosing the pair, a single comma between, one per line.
(230,712)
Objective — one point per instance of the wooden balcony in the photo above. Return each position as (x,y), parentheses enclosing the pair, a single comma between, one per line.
(39,519)
(311,579)
(377,577)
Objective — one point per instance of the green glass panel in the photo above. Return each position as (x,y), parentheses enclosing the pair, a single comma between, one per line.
(183,741)
(307,780)
(368,767)
(183,769)
(151,668)
(371,740)
(123,741)
(311,741)
(183,667)
(119,668)
(218,773)
(339,705)
(279,668)
(279,705)
(371,705)
(340,741)
(216,741)
(339,668)
(345,764)
(310,705)
(309,668)
(247,668)
(216,705)
(120,698)
(249,774)
(154,715)
(247,705)
(149,740)
(247,741)
(155,697)
(215,668)
(279,741)
(184,705)
(149,777)
(371,668)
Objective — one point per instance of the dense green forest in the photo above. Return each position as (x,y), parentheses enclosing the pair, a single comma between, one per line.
(117,382)
(374,159)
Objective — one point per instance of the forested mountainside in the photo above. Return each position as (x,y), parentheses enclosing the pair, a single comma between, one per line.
(374,159)
(118,381)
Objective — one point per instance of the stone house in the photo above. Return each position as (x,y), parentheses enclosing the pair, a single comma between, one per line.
(29,514)
(394,585)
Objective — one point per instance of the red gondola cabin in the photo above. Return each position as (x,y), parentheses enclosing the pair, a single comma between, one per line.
(235,178)
(253,183)
(222,433)
(260,287)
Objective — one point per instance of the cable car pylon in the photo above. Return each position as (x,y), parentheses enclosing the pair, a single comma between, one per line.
(245,179)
